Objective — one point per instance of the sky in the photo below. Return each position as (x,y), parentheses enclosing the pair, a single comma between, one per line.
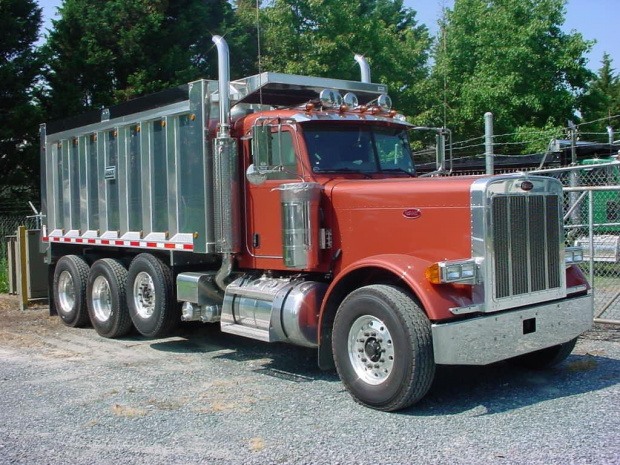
(594,19)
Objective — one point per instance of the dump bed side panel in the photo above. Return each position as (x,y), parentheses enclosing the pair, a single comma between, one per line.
(136,180)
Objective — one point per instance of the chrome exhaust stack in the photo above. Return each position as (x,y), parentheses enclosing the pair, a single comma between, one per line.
(225,175)
(364,67)
(223,65)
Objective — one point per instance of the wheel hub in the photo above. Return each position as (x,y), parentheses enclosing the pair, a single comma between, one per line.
(66,292)
(102,299)
(371,349)
(144,294)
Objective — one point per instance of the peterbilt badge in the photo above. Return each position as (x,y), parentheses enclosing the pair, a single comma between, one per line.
(412,213)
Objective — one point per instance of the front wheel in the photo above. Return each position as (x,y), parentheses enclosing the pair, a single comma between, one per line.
(382,348)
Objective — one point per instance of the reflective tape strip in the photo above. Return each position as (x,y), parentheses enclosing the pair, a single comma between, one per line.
(121,243)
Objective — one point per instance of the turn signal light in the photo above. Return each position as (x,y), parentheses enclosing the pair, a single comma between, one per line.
(433,274)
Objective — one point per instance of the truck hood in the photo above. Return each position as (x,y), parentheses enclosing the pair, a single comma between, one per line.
(429,218)
(401,192)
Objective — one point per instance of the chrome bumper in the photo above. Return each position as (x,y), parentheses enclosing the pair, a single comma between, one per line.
(491,338)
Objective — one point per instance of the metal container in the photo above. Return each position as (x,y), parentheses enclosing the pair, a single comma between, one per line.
(300,224)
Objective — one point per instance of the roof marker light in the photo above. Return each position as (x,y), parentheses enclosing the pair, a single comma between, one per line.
(385,102)
(330,98)
(350,100)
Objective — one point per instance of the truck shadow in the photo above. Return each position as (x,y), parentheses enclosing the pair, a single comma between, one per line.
(481,390)
(279,360)
(502,387)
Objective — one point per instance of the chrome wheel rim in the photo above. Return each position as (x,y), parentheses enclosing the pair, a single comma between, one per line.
(371,349)
(66,292)
(144,295)
(102,299)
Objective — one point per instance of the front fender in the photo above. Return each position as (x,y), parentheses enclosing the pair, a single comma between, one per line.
(405,271)
(409,271)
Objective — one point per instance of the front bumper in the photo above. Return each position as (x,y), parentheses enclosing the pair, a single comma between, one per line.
(499,336)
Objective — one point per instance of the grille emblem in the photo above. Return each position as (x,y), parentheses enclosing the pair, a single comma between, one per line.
(527,186)
(412,213)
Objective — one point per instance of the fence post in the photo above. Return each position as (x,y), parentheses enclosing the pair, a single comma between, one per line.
(574,181)
(591,237)
(22,268)
(488,142)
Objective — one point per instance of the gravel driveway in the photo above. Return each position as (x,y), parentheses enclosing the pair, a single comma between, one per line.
(72,397)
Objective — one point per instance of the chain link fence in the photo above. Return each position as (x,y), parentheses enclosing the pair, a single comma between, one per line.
(592,221)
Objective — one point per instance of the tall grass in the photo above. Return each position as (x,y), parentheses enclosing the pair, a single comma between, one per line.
(4,276)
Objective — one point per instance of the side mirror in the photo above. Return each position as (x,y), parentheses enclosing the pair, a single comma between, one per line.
(262,148)
(254,176)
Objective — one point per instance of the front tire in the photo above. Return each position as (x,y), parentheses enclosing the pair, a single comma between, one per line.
(150,300)
(107,304)
(546,358)
(70,278)
(382,348)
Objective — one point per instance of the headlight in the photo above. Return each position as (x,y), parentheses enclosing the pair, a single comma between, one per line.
(573,255)
(461,271)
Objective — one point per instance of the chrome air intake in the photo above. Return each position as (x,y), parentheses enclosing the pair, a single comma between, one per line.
(299,204)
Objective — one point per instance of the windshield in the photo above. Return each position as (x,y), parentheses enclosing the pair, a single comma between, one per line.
(358,148)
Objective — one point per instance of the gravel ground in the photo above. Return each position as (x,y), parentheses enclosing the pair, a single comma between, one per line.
(70,396)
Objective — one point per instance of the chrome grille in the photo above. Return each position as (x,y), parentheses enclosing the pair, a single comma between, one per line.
(526,244)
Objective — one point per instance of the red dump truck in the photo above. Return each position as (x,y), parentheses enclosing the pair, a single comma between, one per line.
(288,209)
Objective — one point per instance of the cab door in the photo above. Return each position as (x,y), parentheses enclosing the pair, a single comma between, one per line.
(263,239)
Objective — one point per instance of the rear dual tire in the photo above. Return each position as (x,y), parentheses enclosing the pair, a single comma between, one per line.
(107,305)
(70,277)
(150,297)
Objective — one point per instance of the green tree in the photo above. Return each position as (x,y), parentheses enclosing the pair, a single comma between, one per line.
(509,57)
(20,21)
(320,38)
(602,100)
(242,38)
(102,52)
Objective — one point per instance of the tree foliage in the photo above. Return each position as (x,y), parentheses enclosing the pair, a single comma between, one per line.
(105,52)
(602,101)
(509,57)
(320,38)
(20,21)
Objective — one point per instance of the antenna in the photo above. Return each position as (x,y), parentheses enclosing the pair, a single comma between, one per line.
(260,65)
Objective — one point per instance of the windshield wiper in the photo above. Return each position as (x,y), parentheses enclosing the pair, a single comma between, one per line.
(398,170)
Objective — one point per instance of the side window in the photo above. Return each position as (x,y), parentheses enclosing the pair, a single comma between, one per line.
(283,153)
(393,150)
